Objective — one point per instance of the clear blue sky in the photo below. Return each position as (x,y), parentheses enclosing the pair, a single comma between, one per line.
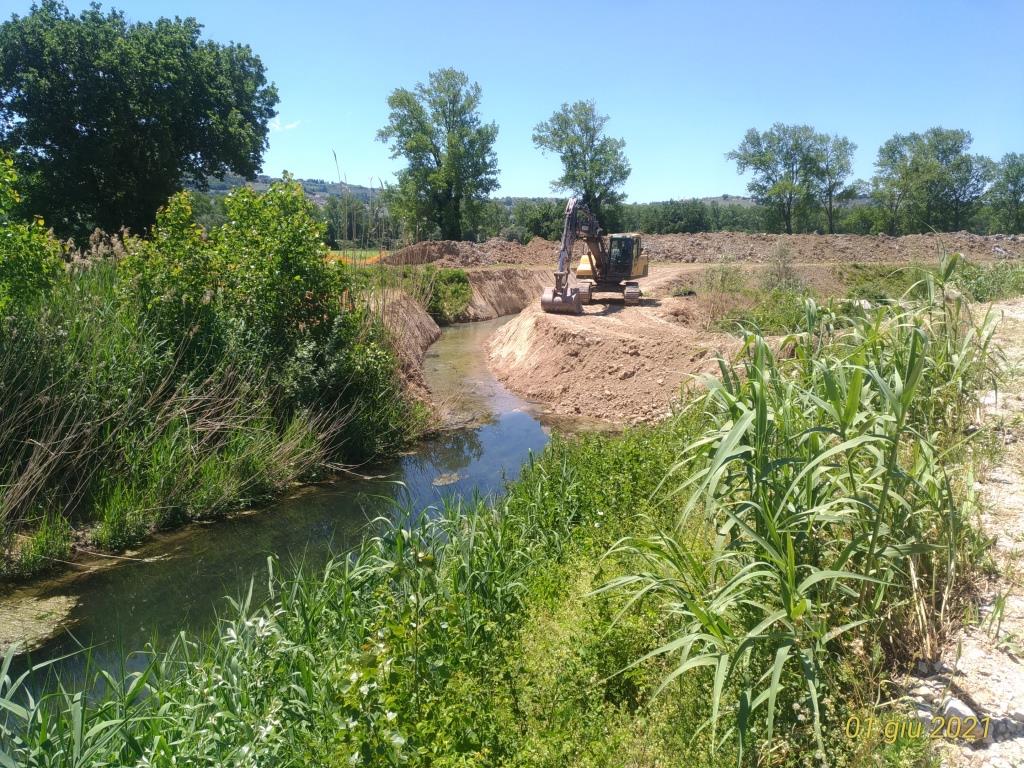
(681,81)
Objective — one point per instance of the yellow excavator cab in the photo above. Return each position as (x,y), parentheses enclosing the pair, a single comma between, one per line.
(626,259)
(607,268)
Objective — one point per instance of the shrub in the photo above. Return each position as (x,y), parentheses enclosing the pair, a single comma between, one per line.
(197,373)
(174,281)
(450,293)
(277,289)
(30,262)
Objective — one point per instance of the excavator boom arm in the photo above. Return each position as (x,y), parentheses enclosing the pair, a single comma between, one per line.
(579,222)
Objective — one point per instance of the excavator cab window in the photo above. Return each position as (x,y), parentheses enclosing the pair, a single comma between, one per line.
(621,255)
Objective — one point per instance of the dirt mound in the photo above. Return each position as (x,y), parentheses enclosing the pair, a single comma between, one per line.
(616,363)
(503,291)
(429,251)
(541,251)
(452,253)
(710,247)
(706,247)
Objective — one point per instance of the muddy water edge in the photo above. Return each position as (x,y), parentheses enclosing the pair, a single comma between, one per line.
(177,582)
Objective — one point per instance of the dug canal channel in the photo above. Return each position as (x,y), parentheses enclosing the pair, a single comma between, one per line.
(178,581)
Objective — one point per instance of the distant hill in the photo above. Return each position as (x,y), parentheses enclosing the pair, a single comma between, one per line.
(318,189)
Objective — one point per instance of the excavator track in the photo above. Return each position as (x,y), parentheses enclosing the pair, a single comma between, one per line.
(631,294)
(586,291)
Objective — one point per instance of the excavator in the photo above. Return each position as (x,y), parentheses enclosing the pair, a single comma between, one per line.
(614,267)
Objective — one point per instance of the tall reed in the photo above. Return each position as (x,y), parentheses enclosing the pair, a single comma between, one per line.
(835,520)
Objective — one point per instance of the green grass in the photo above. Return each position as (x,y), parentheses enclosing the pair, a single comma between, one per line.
(444,292)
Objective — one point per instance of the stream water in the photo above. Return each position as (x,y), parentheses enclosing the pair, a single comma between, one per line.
(178,581)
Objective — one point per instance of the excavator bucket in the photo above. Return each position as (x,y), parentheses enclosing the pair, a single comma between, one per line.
(565,303)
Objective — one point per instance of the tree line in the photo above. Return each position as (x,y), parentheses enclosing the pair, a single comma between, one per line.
(101,140)
(923,182)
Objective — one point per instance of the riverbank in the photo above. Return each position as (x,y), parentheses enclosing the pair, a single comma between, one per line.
(185,377)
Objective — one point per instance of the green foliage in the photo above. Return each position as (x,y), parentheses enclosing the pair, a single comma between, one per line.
(991,282)
(65,80)
(468,636)
(929,181)
(201,372)
(277,288)
(880,282)
(48,543)
(30,263)
(9,196)
(1008,193)
(670,217)
(539,218)
(594,165)
(837,524)
(778,311)
(780,161)
(436,127)
(173,279)
(406,651)
(831,163)
(449,295)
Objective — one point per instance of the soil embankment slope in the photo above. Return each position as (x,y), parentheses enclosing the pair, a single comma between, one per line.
(615,363)
(503,291)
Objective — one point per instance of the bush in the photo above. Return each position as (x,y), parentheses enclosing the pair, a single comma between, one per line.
(449,295)
(837,526)
(199,372)
(30,262)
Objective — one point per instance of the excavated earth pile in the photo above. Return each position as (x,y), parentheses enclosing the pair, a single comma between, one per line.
(614,363)
(451,253)
(707,247)
(711,247)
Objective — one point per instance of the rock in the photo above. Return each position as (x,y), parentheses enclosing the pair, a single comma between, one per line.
(956,708)
(923,693)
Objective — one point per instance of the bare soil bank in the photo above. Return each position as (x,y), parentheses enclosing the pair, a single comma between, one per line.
(711,247)
(615,363)
(504,291)
(495,293)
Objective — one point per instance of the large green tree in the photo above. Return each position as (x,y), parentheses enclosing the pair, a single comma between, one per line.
(107,118)
(452,166)
(930,181)
(831,164)
(1008,193)
(893,183)
(594,165)
(782,171)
